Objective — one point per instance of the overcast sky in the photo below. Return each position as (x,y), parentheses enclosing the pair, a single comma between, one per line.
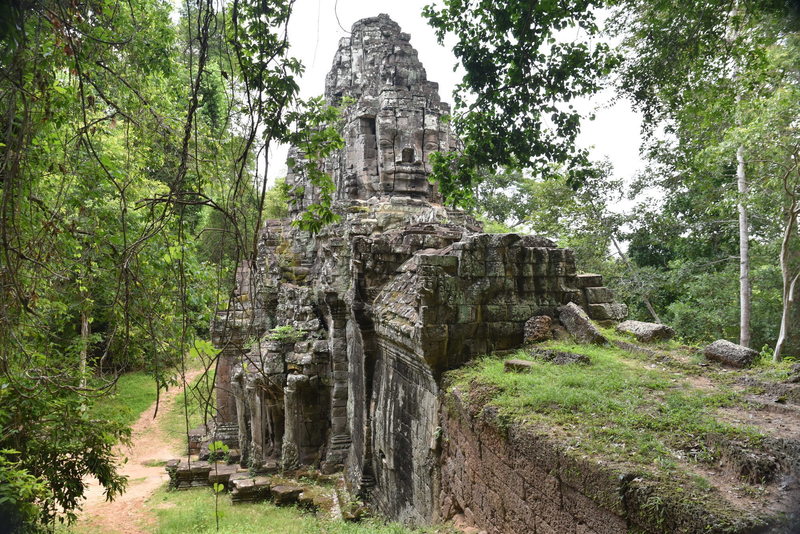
(314,34)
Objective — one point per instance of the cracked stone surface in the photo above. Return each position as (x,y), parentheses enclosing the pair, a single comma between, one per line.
(373,309)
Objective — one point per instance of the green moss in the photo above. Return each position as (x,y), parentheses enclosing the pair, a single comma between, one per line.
(637,411)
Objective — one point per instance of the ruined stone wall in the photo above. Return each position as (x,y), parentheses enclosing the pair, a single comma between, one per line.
(519,478)
(445,305)
(517,481)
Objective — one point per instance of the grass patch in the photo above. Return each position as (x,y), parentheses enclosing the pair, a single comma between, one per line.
(193,511)
(637,411)
(764,368)
(132,395)
(134,392)
(200,402)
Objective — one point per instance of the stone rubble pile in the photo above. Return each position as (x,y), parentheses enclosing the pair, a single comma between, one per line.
(246,487)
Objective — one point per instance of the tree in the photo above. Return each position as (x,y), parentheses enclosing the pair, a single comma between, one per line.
(689,67)
(770,127)
(513,107)
(122,136)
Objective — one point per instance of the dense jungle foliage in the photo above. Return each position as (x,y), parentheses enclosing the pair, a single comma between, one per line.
(133,143)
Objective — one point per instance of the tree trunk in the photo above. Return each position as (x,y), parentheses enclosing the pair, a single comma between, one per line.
(84,345)
(791,345)
(627,262)
(789,281)
(744,252)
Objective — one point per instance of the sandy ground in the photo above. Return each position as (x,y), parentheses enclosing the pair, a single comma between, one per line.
(149,444)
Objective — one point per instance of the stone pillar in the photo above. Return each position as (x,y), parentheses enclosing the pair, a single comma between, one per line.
(256,425)
(339,437)
(242,414)
(293,406)
(226,401)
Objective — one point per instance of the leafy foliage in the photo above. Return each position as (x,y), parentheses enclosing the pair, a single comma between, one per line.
(129,194)
(316,138)
(513,106)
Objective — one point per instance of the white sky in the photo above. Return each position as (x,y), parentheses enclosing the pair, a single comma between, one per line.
(314,35)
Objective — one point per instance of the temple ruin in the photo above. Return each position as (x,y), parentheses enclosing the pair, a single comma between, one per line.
(333,353)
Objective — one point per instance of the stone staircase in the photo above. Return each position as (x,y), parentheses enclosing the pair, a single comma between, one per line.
(245,487)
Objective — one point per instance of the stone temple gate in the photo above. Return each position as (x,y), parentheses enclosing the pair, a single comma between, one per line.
(333,353)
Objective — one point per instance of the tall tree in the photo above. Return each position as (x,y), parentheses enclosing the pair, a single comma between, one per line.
(678,58)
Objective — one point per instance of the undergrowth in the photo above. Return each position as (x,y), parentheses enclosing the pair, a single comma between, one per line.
(200,401)
(132,394)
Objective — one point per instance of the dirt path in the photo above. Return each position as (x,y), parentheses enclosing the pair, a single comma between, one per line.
(149,445)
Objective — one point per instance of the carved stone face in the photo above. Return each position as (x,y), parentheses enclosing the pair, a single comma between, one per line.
(401,152)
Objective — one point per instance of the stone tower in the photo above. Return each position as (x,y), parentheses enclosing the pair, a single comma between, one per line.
(333,352)
(396,120)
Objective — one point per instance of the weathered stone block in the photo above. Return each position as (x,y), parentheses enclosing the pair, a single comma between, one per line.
(579,325)
(730,354)
(518,366)
(284,495)
(559,357)
(598,295)
(589,280)
(538,328)
(221,474)
(646,332)
(607,312)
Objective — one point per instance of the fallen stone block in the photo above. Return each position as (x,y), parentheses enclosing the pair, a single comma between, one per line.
(323,501)
(269,466)
(579,325)
(730,354)
(184,475)
(241,475)
(613,311)
(242,490)
(315,499)
(250,490)
(558,357)
(538,328)
(517,366)
(221,474)
(646,332)
(234,456)
(306,500)
(286,494)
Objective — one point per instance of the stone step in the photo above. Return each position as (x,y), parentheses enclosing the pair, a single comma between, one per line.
(285,494)
(247,488)
(221,474)
(250,490)
(185,475)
